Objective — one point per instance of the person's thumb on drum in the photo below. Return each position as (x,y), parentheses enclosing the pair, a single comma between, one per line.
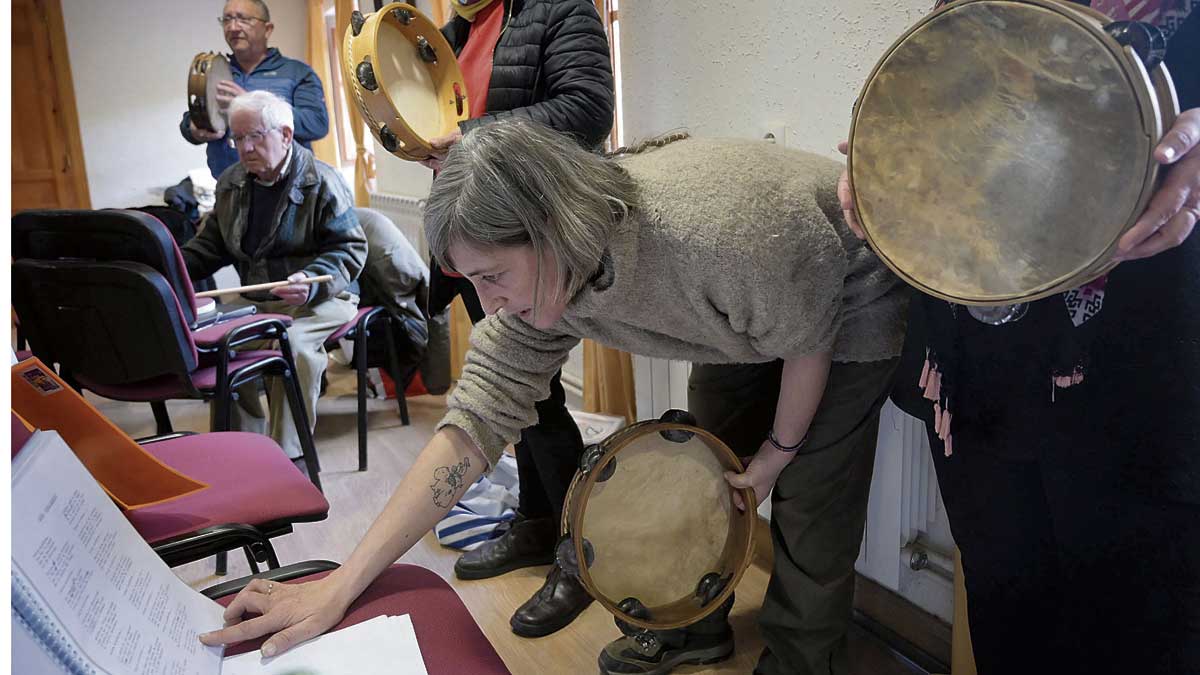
(846,197)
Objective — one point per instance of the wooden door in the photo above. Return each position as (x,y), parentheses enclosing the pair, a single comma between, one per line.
(47,155)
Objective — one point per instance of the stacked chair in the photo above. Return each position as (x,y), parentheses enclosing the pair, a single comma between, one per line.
(106,295)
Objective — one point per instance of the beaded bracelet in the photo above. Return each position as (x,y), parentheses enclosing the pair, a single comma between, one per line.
(785,448)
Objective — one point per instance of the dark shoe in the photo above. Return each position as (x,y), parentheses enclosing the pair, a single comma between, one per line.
(555,605)
(624,656)
(645,652)
(526,543)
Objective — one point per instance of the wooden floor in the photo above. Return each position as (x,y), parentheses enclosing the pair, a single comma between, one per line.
(355,499)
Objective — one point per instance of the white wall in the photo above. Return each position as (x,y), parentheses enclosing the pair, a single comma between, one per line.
(743,69)
(129,62)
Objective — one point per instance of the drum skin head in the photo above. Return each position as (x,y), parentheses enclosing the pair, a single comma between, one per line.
(657,516)
(1000,149)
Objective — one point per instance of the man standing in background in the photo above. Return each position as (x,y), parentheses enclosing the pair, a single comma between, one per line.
(247,26)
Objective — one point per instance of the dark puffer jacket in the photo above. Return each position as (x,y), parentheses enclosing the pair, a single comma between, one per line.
(551,64)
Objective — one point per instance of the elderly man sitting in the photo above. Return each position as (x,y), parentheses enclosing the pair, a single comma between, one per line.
(282,215)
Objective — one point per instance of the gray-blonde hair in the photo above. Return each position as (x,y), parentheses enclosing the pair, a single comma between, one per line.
(275,112)
(516,183)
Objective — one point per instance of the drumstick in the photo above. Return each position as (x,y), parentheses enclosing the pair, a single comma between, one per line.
(263,287)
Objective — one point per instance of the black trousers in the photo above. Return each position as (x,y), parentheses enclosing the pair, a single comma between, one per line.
(549,451)
(1068,568)
(818,507)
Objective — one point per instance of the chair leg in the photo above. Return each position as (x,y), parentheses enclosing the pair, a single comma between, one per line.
(296,403)
(222,416)
(222,564)
(250,559)
(394,371)
(360,365)
(162,419)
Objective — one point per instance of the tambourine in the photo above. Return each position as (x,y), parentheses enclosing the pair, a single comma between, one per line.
(405,79)
(649,526)
(208,68)
(1000,148)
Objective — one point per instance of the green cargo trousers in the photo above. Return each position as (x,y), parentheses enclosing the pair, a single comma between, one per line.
(819,505)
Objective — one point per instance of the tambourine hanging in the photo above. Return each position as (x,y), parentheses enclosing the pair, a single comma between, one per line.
(650,528)
(404,78)
(207,69)
(1000,148)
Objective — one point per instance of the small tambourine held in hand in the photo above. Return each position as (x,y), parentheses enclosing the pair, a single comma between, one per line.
(404,78)
(649,525)
(263,287)
(1001,148)
(208,69)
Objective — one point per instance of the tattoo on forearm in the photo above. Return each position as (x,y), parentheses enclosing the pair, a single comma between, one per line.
(446,482)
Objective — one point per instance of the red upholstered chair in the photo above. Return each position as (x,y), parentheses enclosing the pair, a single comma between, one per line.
(358,330)
(255,493)
(451,642)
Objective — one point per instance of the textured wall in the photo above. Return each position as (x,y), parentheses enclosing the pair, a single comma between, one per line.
(742,69)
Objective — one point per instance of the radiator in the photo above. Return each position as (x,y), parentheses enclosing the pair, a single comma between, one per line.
(406,212)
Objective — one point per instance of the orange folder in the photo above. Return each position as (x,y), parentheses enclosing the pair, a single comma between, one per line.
(131,476)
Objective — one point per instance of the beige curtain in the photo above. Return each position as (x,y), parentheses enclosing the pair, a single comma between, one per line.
(326,149)
(608,382)
(364,160)
(460,337)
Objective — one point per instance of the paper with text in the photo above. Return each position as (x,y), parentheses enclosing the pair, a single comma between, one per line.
(93,577)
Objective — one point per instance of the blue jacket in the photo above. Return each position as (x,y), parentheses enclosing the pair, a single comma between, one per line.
(291,80)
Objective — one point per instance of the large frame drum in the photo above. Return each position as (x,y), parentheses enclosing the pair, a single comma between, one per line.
(404,78)
(649,525)
(207,69)
(1000,148)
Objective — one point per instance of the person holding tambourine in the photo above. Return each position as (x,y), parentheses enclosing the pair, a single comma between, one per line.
(247,27)
(1066,435)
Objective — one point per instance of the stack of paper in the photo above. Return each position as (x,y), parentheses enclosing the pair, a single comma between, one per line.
(385,645)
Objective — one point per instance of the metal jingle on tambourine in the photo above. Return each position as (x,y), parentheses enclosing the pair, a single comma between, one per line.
(676,416)
(998,315)
(592,455)
(566,557)
(404,16)
(356,22)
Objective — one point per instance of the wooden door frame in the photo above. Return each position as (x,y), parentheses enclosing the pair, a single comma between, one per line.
(68,120)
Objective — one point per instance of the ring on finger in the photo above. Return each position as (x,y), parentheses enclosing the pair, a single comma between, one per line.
(270,587)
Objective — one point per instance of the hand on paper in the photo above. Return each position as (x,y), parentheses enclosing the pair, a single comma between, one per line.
(293,612)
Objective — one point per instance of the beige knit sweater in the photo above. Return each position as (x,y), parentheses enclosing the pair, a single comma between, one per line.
(737,253)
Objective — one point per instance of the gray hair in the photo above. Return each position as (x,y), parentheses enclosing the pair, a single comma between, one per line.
(262,7)
(517,183)
(275,112)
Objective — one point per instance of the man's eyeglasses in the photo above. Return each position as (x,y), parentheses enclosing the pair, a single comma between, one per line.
(238,19)
(255,137)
